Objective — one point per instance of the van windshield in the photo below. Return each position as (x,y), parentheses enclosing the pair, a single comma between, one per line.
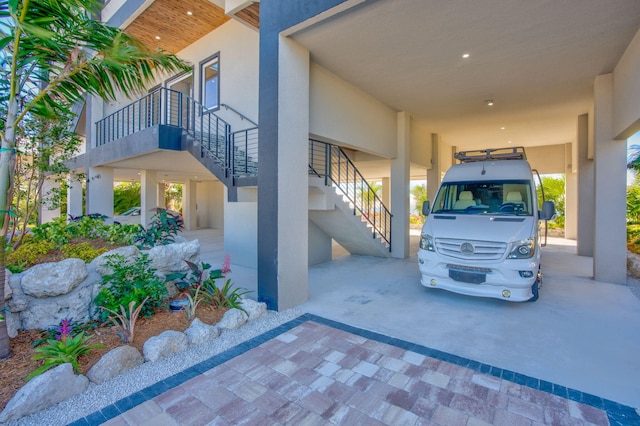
(505,197)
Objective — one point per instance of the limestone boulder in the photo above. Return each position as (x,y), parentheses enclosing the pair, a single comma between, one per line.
(233,318)
(633,264)
(46,313)
(199,332)
(253,309)
(99,264)
(171,258)
(114,363)
(7,288)
(166,343)
(43,391)
(53,278)
(13,323)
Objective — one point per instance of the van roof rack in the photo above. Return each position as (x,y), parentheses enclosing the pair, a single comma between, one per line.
(514,153)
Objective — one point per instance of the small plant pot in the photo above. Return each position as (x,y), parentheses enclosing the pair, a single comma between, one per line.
(178,304)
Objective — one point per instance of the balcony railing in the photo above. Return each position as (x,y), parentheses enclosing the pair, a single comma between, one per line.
(331,163)
(236,152)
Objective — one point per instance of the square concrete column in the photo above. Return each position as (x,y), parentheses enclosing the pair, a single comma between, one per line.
(161,196)
(283,181)
(100,191)
(585,180)
(571,193)
(47,211)
(434,175)
(610,159)
(386,192)
(148,196)
(74,196)
(400,188)
(189,214)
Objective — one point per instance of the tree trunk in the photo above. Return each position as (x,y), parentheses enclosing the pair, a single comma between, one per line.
(7,157)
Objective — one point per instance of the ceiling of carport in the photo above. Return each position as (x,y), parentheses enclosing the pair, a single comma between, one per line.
(536,60)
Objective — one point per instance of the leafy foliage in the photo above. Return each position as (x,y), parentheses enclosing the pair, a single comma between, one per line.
(131,280)
(125,322)
(225,296)
(554,190)
(162,230)
(125,196)
(28,254)
(84,251)
(67,344)
(419,193)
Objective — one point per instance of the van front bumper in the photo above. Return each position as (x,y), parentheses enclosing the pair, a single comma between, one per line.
(502,280)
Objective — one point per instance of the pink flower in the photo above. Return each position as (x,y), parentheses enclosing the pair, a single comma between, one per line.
(226,264)
(64,329)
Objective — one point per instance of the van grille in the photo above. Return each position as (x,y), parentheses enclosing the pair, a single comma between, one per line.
(470,249)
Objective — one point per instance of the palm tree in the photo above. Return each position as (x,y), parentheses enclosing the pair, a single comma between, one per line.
(54,54)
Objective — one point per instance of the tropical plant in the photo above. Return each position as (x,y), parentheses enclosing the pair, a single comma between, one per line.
(419,193)
(162,230)
(130,280)
(125,322)
(633,202)
(54,53)
(192,302)
(66,347)
(225,296)
(125,196)
(554,190)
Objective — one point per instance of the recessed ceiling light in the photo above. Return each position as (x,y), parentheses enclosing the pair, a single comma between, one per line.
(465,55)
(489,102)
(157,37)
(509,141)
(190,13)
(502,128)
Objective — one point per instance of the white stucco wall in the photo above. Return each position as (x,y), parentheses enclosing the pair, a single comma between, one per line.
(239,54)
(626,92)
(241,233)
(343,113)
(210,204)
(420,144)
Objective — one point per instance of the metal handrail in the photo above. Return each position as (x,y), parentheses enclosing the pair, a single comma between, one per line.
(241,115)
(236,152)
(330,162)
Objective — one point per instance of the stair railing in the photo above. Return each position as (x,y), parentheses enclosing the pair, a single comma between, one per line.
(236,152)
(332,163)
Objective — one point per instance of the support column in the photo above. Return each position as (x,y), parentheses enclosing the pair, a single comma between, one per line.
(400,189)
(47,213)
(283,229)
(585,180)
(189,213)
(74,196)
(610,252)
(100,191)
(148,196)
(571,193)
(161,196)
(434,174)
(386,191)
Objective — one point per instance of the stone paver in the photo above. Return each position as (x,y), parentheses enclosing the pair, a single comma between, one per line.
(317,374)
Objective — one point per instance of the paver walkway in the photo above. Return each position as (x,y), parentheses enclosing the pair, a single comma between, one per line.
(314,371)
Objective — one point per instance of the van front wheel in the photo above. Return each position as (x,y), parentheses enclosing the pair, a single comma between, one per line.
(535,288)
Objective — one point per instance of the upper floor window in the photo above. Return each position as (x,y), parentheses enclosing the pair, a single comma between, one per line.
(210,81)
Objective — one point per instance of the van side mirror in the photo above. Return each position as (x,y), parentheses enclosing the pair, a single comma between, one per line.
(548,210)
(426,207)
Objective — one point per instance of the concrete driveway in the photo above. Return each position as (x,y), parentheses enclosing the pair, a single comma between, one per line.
(581,333)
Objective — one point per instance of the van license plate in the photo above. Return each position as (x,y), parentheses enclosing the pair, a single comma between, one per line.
(467,277)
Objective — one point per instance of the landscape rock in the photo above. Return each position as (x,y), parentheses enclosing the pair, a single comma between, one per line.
(114,363)
(166,343)
(43,391)
(13,324)
(99,263)
(233,318)
(7,288)
(46,313)
(199,332)
(53,278)
(253,309)
(633,264)
(171,258)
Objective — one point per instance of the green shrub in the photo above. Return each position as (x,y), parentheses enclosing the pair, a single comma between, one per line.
(131,280)
(161,231)
(28,254)
(84,251)
(633,232)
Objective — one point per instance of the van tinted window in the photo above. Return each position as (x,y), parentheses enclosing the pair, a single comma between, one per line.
(509,197)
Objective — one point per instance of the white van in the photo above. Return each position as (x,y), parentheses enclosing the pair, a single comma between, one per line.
(480,237)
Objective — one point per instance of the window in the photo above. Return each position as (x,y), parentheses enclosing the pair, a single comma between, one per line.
(210,82)
(512,197)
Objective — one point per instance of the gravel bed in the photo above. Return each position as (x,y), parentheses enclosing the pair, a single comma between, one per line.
(97,397)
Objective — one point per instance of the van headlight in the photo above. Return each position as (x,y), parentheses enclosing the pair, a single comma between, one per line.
(426,242)
(523,249)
